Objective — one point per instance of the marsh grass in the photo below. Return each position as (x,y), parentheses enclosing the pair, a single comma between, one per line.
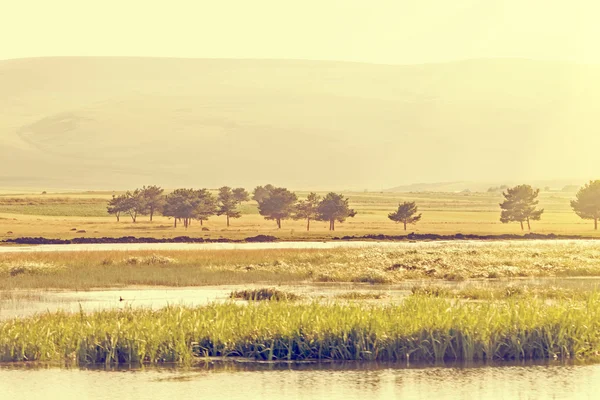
(421,328)
(361,296)
(16,268)
(263,294)
(513,290)
(152,259)
(376,265)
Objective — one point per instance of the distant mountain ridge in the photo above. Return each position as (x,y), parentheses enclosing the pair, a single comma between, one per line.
(115,123)
(455,187)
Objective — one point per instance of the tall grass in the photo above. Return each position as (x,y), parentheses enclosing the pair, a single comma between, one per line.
(431,261)
(422,328)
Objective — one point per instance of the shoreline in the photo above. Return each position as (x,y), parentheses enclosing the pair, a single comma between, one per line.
(411,237)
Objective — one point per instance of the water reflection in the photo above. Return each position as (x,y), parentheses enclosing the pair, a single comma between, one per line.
(346,381)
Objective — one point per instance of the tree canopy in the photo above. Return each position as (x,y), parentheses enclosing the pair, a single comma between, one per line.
(307,209)
(260,192)
(334,207)
(181,204)
(134,204)
(406,213)
(519,205)
(276,203)
(207,205)
(228,201)
(117,205)
(587,202)
(153,199)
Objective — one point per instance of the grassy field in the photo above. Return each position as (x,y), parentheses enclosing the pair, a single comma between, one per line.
(469,301)
(62,215)
(421,328)
(435,261)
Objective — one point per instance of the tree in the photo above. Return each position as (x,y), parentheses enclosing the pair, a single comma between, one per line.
(116,206)
(519,205)
(406,213)
(153,198)
(229,200)
(240,194)
(260,192)
(334,207)
(276,204)
(587,202)
(182,204)
(134,204)
(207,205)
(307,209)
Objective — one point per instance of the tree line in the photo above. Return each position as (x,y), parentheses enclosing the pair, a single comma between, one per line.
(279,204)
(186,205)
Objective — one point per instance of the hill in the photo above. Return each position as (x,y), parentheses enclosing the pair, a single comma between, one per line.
(112,123)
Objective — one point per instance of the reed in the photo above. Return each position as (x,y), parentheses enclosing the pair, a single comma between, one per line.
(421,328)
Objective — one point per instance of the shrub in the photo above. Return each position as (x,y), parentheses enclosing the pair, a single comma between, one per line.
(263,294)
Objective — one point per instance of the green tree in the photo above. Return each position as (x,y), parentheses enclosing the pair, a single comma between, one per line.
(334,207)
(228,201)
(182,205)
(134,204)
(207,205)
(519,205)
(153,199)
(240,195)
(260,192)
(116,206)
(277,204)
(587,202)
(307,209)
(406,213)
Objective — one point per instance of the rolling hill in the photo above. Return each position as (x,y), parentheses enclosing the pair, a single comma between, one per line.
(113,123)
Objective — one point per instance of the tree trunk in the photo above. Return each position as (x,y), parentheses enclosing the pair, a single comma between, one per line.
(278,223)
(228,221)
(307,224)
(151,213)
(118,217)
(404,225)
(201,224)
(528,225)
(521,225)
(175,222)
(332,224)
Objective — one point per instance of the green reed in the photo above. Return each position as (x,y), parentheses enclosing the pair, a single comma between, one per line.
(421,328)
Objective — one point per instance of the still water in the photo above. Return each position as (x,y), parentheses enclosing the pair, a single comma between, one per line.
(359,381)
(271,245)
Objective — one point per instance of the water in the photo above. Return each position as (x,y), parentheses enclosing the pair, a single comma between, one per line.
(192,246)
(24,303)
(265,246)
(345,382)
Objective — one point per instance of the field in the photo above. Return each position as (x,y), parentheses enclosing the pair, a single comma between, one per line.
(66,215)
(465,301)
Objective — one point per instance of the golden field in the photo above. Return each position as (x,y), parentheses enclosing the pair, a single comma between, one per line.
(61,215)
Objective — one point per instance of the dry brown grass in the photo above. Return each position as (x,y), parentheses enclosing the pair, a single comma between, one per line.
(376,265)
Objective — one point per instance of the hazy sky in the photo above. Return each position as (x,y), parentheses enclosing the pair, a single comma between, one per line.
(380,31)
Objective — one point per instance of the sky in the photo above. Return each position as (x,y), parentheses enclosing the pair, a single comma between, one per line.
(374,31)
